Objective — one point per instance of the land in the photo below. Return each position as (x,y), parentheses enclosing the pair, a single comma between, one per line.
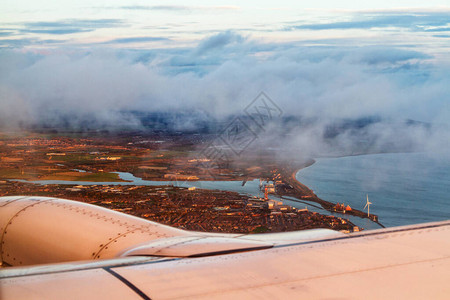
(96,157)
(33,156)
(200,210)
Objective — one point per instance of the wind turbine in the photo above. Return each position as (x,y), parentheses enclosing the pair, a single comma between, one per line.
(368,206)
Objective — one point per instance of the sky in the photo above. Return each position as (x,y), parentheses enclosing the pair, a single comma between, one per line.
(327,60)
(151,24)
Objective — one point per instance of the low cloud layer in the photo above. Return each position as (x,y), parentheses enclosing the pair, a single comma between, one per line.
(414,21)
(178,8)
(222,75)
(69,26)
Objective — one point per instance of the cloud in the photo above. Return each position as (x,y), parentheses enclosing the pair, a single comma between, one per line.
(16,43)
(317,87)
(219,40)
(178,8)
(56,31)
(6,33)
(210,52)
(69,26)
(141,39)
(377,55)
(424,21)
(22,42)
(440,29)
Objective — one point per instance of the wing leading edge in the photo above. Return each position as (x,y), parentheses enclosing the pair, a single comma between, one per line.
(410,262)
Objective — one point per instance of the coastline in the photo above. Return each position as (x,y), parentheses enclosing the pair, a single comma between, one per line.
(405,188)
(302,192)
(286,173)
(70,189)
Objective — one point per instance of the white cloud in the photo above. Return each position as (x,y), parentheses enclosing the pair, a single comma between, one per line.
(321,84)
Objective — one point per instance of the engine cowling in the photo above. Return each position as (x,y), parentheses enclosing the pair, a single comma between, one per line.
(38,230)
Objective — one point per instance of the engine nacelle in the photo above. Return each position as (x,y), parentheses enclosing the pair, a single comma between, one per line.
(42,230)
(38,230)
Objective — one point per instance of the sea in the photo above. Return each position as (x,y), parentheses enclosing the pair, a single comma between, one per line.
(404,188)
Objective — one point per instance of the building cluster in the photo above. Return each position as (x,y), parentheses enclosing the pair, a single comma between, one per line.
(341,207)
(192,209)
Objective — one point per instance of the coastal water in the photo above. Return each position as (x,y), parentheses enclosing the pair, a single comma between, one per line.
(404,188)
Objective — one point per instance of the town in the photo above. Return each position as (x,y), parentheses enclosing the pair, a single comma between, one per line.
(37,157)
(189,208)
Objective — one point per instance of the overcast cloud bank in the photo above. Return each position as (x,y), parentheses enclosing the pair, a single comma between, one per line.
(224,73)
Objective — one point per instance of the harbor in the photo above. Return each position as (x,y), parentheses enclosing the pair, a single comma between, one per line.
(285,184)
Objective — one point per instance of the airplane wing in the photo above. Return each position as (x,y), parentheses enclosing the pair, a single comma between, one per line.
(409,262)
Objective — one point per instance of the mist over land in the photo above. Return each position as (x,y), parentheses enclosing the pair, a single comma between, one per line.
(376,82)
